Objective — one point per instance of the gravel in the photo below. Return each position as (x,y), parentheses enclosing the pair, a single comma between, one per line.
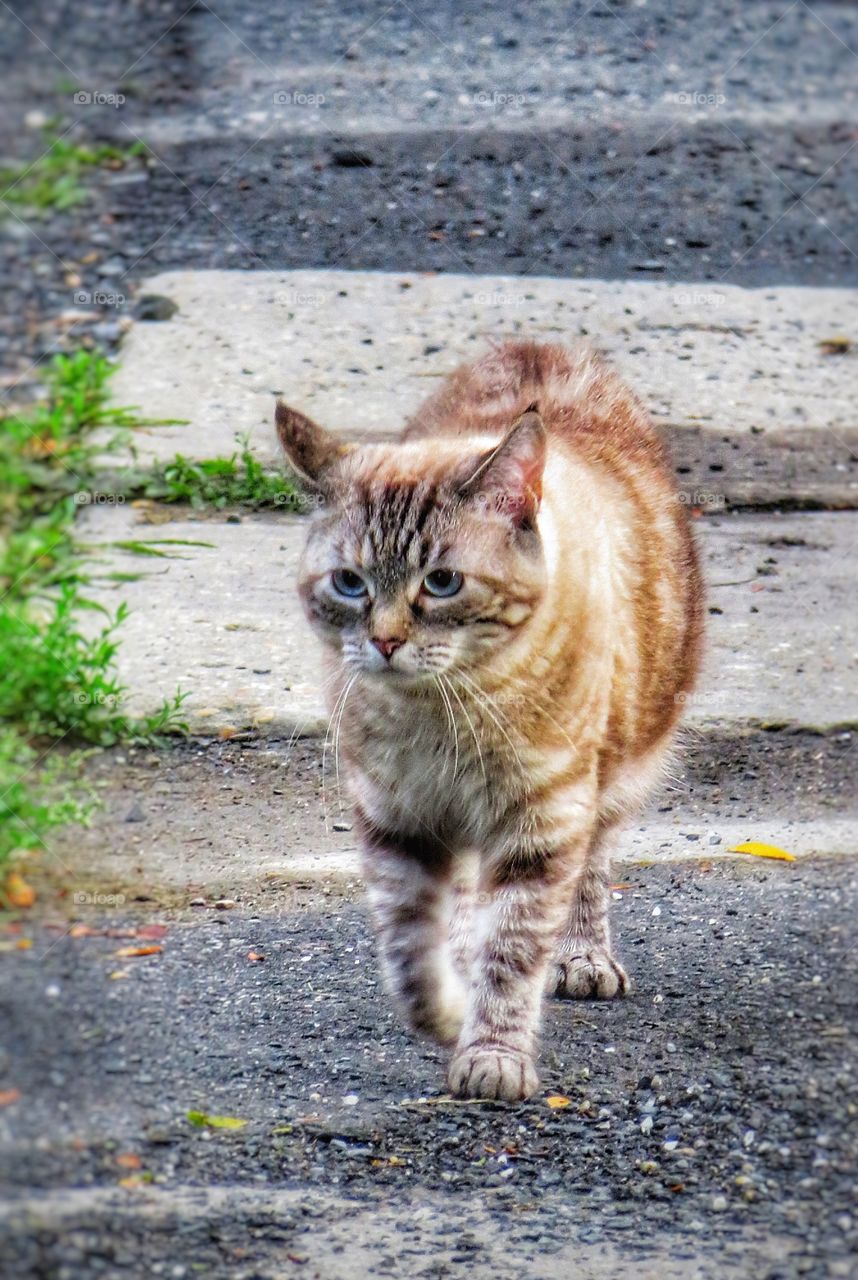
(722,1092)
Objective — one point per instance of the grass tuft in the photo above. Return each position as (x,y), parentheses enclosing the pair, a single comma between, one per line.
(240,480)
(57,180)
(57,680)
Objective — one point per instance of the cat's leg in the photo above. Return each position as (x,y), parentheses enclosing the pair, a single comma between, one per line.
(586,965)
(463,903)
(409,883)
(522,908)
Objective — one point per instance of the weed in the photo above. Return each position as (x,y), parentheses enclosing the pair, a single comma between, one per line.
(57,679)
(56,179)
(222,482)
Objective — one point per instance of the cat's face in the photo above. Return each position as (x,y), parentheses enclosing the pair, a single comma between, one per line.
(424,558)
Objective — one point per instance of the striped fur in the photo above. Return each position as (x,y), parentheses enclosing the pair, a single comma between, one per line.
(512,726)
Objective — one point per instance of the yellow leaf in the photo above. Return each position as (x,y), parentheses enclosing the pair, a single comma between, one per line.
(203,1121)
(557,1101)
(128,952)
(18,892)
(763,851)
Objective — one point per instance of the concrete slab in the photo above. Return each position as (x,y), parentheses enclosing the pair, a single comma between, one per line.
(737,376)
(222,622)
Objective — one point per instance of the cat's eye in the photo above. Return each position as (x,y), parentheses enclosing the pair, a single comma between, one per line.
(443,582)
(348,583)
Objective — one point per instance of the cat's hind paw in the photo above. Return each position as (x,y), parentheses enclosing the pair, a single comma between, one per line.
(492,1071)
(590,975)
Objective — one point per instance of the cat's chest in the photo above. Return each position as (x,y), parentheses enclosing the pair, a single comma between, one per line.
(425,770)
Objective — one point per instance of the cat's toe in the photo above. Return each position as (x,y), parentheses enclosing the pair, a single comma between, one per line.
(493,1072)
(591,975)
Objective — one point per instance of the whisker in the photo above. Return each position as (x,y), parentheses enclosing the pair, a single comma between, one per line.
(455,694)
(340,701)
(484,703)
(438,681)
(337,739)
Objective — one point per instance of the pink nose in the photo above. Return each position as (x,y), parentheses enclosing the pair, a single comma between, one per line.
(387,645)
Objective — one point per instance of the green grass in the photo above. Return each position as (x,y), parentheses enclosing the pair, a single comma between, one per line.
(222,482)
(57,180)
(57,679)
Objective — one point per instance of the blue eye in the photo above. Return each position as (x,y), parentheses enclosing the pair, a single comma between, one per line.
(348,583)
(443,582)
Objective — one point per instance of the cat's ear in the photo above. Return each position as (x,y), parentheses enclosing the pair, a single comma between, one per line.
(311,449)
(509,477)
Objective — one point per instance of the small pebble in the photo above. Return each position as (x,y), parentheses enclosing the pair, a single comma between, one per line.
(224,904)
(719,1204)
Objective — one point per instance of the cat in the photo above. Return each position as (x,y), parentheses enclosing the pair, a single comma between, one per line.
(510,608)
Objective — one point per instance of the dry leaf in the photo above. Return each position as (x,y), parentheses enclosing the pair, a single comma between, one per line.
(136,1180)
(557,1101)
(8,1096)
(763,851)
(203,1121)
(128,1160)
(138,951)
(836,346)
(255,957)
(117,975)
(18,892)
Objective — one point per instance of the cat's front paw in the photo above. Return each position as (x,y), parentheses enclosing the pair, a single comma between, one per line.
(492,1071)
(590,975)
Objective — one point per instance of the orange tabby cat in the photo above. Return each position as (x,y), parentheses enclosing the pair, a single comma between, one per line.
(510,606)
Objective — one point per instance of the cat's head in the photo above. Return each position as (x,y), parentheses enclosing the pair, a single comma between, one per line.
(423,556)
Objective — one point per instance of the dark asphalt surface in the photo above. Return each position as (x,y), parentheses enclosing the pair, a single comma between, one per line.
(717,1102)
(762,189)
(739,1042)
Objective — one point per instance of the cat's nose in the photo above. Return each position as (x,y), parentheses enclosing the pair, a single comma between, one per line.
(387,645)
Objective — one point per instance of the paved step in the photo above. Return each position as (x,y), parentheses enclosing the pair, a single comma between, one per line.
(756,412)
(345,1238)
(398,68)
(222,620)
